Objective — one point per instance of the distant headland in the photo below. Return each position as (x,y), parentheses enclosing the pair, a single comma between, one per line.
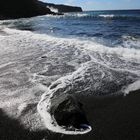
(12,9)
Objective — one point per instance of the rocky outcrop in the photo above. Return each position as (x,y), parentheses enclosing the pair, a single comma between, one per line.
(22,8)
(68,112)
(64,8)
(11,9)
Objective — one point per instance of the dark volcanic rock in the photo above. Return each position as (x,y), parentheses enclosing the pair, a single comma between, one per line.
(11,9)
(22,8)
(68,112)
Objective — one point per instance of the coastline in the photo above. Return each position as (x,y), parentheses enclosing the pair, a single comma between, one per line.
(31,62)
(111,118)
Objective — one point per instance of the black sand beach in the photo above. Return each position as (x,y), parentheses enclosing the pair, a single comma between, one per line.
(112,118)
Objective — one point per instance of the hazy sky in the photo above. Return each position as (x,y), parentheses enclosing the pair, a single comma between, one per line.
(101,4)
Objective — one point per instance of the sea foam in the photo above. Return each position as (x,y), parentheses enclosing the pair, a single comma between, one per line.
(107,16)
(77,42)
(104,65)
(132,87)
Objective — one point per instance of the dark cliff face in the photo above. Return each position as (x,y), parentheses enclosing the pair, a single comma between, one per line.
(10,9)
(21,8)
(64,8)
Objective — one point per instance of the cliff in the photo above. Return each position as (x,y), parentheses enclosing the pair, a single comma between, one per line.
(64,8)
(10,9)
(22,8)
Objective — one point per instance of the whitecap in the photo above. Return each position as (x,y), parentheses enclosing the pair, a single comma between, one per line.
(107,16)
(132,87)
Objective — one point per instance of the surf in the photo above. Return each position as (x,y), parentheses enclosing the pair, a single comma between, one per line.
(99,70)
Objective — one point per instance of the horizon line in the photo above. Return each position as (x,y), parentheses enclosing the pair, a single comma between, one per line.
(108,9)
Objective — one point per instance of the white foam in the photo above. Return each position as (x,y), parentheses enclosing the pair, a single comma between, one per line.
(132,87)
(76,15)
(22,107)
(44,107)
(107,16)
(88,15)
(131,42)
(91,45)
(45,104)
(22,40)
(53,9)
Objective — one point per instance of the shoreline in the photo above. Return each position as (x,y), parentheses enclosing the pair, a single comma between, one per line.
(111,118)
(31,62)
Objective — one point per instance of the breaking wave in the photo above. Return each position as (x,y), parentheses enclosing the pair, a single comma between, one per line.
(107,16)
(104,16)
(96,51)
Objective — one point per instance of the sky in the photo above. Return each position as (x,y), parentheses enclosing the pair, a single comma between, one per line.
(100,4)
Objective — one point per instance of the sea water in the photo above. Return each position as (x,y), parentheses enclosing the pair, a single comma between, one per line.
(90,53)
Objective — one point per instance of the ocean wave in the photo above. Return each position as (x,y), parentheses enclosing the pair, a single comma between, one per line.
(132,87)
(80,43)
(119,58)
(98,69)
(53,9)
(104,16)
(131,41)
(107,16)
